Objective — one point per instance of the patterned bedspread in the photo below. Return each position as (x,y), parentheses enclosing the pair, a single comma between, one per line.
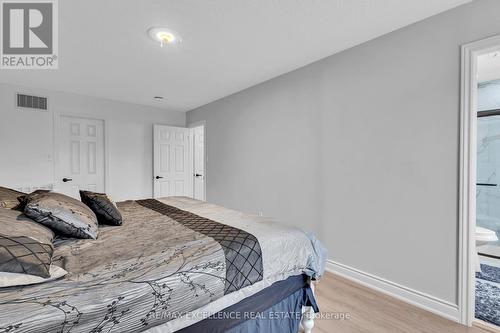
(171,256)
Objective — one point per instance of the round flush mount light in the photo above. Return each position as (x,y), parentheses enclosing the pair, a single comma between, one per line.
(164,36)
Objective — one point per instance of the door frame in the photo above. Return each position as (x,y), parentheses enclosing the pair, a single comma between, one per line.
(198,124)
(57,140)
(467,172)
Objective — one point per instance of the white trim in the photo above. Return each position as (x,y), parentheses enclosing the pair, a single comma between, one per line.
(26,188)
(419,299)
(197,123)
(205,159)
(467,181)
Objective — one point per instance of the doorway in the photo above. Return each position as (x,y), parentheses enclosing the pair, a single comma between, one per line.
(199,163)
(179,161)
(488,175)
(80,155)
(479,269)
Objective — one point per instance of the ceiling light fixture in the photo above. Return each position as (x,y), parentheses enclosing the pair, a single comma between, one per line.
(158,98)
(164,36)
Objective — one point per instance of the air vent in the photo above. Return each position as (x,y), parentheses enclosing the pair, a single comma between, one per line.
(31,102)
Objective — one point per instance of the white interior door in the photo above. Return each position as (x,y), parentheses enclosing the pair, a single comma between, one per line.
(199,162)
(172,162)
(80,155)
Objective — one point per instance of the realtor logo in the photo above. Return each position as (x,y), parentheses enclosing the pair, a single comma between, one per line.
(29,34)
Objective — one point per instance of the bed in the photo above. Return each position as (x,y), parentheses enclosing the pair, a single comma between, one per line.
(176,264)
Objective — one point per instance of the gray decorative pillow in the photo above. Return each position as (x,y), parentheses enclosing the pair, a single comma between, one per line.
(16,279)
(25,255)
(25,246)
(8,198)
(15,223)
(64,215)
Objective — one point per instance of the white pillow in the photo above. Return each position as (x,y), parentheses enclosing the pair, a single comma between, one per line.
(17,279)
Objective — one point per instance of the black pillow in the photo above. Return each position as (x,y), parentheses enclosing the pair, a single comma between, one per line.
(105,210)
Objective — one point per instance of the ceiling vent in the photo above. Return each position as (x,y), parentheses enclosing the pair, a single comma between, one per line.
(31,102)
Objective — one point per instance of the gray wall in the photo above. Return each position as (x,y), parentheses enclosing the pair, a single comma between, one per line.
(361,148)
(27,140)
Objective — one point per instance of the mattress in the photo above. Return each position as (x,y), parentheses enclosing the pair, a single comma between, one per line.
(172,258)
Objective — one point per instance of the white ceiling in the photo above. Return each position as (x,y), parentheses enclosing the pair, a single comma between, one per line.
(488,67)
(228,45)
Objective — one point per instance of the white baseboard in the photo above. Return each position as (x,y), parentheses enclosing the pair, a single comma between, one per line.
(424,301)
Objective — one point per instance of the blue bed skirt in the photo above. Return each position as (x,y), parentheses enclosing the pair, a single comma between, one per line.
(274,309)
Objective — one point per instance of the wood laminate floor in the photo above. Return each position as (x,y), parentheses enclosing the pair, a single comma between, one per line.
(374,312)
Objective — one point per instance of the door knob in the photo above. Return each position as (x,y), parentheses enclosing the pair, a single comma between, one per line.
(198,175)
(158,177)
(66,180)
